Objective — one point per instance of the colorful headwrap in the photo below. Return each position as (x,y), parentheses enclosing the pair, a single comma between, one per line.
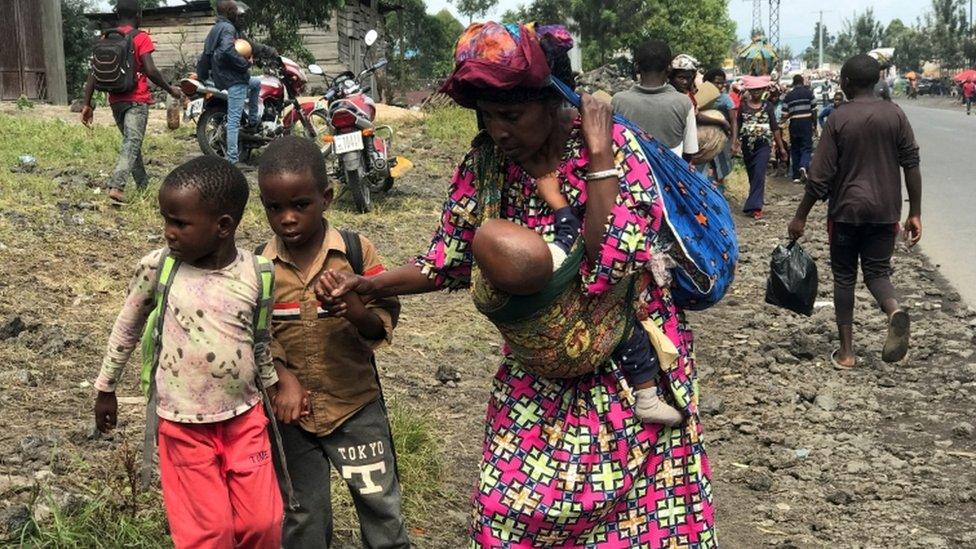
(491,58)
(756,82)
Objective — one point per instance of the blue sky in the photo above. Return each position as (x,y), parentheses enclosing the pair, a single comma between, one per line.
(797,17)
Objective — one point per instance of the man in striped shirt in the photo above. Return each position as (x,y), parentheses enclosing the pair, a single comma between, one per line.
(801,111)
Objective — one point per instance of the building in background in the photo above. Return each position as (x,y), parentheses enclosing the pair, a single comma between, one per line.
(32,51)
(179,33)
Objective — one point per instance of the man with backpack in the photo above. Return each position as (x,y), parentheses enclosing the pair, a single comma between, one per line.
(229,70)
(122,65)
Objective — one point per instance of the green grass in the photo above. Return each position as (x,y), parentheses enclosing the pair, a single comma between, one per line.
(33,223)
(114,517)
(59,144)
(451,129)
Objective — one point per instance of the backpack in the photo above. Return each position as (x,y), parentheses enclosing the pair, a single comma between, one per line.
(151,344)
(113,61)
(698,216)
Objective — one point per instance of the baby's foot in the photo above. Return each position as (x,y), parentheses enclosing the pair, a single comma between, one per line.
(651,409)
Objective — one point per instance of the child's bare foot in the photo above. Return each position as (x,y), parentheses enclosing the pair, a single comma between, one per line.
(651,409)
(896,345)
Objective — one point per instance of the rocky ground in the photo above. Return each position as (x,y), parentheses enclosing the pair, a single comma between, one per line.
(808,456)
(802,455)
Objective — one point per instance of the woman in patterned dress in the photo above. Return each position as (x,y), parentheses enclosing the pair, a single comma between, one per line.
(565,461)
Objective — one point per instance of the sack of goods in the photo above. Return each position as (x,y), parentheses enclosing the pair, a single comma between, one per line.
(711,139)
(792,282)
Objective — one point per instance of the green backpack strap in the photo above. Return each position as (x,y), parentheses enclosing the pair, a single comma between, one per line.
(152,337)
(152,334)
(264,269)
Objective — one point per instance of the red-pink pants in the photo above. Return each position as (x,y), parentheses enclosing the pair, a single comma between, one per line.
(219,484)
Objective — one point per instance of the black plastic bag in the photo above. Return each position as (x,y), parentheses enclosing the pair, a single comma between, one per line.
(792,282)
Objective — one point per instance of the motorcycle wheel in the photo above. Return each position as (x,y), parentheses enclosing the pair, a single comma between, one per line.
(212,132)
(360,191)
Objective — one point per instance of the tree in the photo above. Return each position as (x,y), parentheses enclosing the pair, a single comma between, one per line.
(277,22)
(946,28)
(542,11)
(420,45)
(811,55)
(860,35)
(474,8)
(77,43)
(702,28)
(910,48)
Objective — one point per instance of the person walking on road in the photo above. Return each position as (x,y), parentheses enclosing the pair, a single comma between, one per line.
(968,95)
(130,108)
(756,132)
(655,105)
(829,109)
(229,70)
(801,112)
(865,143)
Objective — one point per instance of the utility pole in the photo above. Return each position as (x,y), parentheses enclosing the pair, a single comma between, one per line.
(820,38)
(756,15)
(774,24)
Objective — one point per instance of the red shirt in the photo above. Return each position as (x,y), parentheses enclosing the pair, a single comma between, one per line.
(968,89)
(141,44)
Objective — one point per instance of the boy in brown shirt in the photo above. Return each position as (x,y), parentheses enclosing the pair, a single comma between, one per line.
(329,399)
(865,145)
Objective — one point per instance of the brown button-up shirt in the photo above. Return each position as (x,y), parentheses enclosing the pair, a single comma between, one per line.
(327,354)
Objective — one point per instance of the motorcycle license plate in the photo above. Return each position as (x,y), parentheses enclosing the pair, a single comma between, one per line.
(193,110)
(348,142)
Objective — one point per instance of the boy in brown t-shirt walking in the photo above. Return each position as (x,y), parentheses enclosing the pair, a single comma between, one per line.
(865,144)
(329,399)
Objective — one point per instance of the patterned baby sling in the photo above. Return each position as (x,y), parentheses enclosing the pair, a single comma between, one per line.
(152,345)
(697,214)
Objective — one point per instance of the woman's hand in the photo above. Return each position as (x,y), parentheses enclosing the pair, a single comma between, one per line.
(332,285)
(597,132)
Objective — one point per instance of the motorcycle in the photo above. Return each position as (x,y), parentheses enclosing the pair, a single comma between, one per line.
(282,83)
(358,149)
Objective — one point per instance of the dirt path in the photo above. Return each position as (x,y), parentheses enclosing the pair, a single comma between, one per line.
(802,455)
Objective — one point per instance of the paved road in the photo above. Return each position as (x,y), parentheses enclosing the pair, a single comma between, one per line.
(948,149)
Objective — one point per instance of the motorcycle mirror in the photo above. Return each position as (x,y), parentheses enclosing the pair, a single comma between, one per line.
(315,69)
(371,37)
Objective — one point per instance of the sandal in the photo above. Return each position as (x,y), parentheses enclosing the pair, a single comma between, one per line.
(117,197)
(896,344)
(838,365)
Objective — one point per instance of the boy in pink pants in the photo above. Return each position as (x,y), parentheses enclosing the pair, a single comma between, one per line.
(219,484)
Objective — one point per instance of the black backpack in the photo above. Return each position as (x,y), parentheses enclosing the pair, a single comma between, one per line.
(113,61)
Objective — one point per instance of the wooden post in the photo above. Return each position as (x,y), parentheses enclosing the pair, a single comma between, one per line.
(53,45)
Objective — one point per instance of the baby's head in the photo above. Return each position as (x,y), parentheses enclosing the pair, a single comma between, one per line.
(295,190)
(514,259)
(202,202)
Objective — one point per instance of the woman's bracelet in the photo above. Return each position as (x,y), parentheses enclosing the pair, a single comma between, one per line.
(602,174)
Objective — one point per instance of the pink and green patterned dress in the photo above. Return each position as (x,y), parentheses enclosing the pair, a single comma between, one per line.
(566,463)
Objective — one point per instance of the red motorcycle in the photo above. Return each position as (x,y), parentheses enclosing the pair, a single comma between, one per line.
(282,83)
(357,148)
